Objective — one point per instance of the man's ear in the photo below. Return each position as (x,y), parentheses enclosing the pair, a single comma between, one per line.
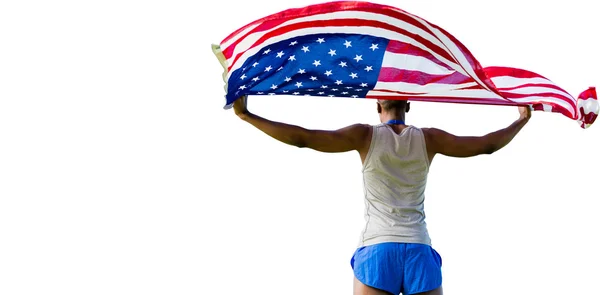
(407,106)
(378,108)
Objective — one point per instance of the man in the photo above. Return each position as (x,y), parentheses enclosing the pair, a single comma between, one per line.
(395,254)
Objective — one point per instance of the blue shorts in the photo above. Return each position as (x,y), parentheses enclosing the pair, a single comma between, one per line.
(398,267)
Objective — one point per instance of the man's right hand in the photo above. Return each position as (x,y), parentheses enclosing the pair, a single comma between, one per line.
(525,112)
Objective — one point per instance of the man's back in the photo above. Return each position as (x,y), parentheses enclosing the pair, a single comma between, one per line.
(395,175)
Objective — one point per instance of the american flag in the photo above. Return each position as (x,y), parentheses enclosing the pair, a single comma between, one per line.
(366,50)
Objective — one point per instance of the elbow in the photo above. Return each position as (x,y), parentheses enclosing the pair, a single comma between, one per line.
(490,149)
(298,142)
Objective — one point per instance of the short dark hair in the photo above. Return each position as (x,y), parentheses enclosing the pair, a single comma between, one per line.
(392,104)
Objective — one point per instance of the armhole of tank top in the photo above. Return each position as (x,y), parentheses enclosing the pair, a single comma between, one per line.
(424,147)
(371,147)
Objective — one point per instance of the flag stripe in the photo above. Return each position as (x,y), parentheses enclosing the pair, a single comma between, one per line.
(416,88)
(420,78)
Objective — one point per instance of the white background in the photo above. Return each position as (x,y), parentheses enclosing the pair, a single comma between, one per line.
(120,173)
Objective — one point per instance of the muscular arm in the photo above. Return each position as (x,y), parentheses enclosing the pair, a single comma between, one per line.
(439,141)
(354,137)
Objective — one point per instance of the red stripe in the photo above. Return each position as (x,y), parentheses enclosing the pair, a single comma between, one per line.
(424,93)
(467,100)
(346,23)
(493,72)
(416,77)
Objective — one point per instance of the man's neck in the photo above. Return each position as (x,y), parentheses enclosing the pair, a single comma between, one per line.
(390,117)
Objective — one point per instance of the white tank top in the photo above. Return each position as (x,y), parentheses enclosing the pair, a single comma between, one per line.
(395,174)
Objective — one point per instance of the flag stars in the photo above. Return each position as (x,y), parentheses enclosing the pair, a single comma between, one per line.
(305,49)
(343,64)
(296,93)
(280,54)
(280,68)
(298,84)
(292,57)
(364,85)
(358,58)
(339,82)
(355,96)
(293,43)
(286,91)
(374,46)
(288,79)
(301,71)
(267,51)
(321,93)
(353,75)
(273,86)
(313,78)
(348,43)
(243,76)
(321,40)
(331,52)
(242,87)
(269,68)
(344,92)
(317,63)
(328,73)
(324,86)
(369,68)
(255,79)
(254,64)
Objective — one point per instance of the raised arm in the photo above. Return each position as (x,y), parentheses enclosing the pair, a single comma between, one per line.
(439,141)
(354,137)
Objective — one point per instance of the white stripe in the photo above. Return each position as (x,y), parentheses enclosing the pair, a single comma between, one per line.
(339,15)
(509,81)
(539,89)
(413,63)
(377,32)
(547,108)
(589,105)
(544,99)
(429,88)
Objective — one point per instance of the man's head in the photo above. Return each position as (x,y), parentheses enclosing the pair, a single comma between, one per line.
(390,109)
